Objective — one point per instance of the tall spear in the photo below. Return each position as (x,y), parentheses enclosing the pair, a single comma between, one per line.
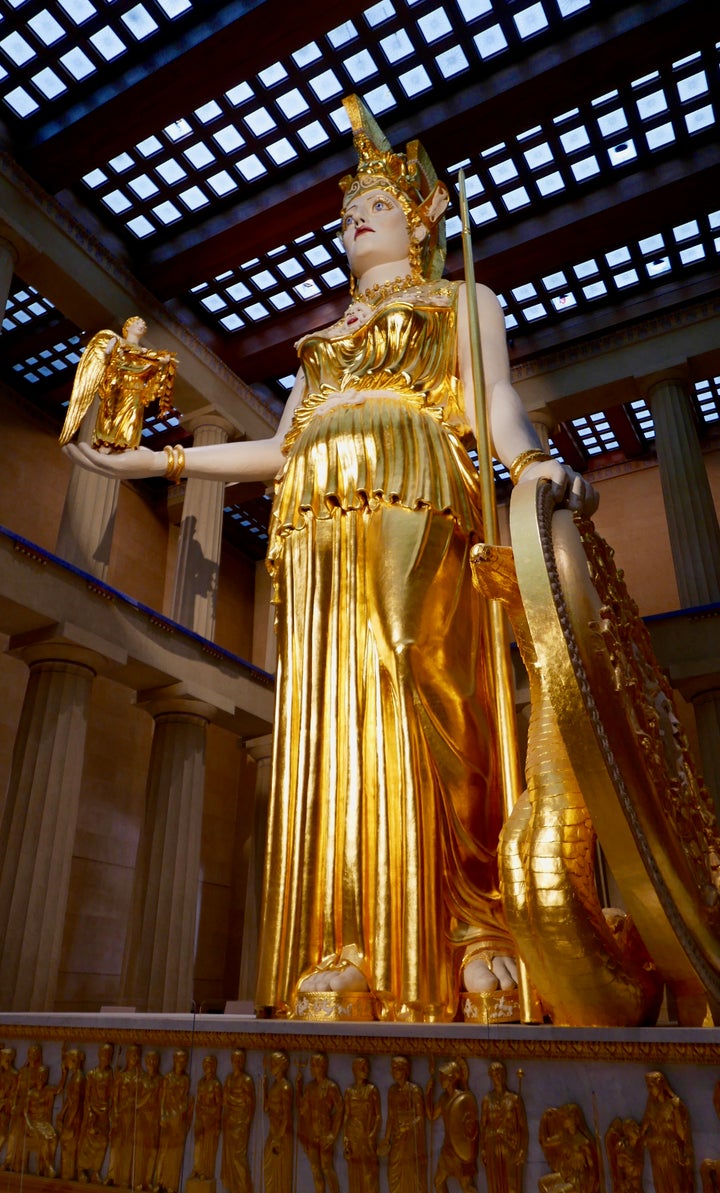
(499,642)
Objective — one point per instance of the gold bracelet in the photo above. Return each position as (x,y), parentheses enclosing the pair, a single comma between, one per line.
(180,466)
(176,463)
(521,462)
(170,466)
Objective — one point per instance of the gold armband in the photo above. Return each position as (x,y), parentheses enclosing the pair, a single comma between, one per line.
(176,463)
(521,462)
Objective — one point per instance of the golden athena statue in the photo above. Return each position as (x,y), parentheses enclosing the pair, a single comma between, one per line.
(125,377)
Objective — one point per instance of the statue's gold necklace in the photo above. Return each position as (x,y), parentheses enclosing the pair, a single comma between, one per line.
(378,293)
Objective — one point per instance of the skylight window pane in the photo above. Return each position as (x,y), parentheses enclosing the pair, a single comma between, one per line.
(178,129)
(564,302)
(530,20)
(232,322)
(595,290)
(149,146)
(78,10)
(340,119)
(194,198)
(700,118)
(313,134)
(94,179)
(516,198)
(342,35)
(166,212)
(451,62)
(380,99)
(379,13)
(652,244)
(689,87)
(504,171)
(624,152)
(213,302)
(17,49)
(483,214)
(318,255)
(292,104)
(107,43)
(143,186)
(569,7)
(174,8)
(472,9)
(657,137)
(585,168)
(48,83)
(256,310)
(208,112)
(122,162)
(657,266)
(171,171)
(575,138)
(334,277)
(139,22)
(46,28)
(627,278)
(77,63)
(434,25)
(538,156)
(306,55)
(281,151)
(612,122)
(222,183)
(651,105)
(695,253)
(229,138)
(473,186)
(524,293)
(260,122)
(238,291)
(282,300)
(586,269)
(117,201)
(325,85)
(535,312)
(360,66)
(273,75)
(290,268)
(240,94)
(199,155)
(20,102)
(251,167)
(414,81)
(308,289)
(264,280)
(618,256)
(550,184)
(490,41)
(553,280)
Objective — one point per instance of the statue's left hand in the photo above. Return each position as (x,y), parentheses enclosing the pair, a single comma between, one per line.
(568,486)
(127,465)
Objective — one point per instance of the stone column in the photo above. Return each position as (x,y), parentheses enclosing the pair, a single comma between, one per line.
(694,533)
(160,946)
(691,516)
(260,748)
(8,259)
(198,561)
(37,831)
(88,517)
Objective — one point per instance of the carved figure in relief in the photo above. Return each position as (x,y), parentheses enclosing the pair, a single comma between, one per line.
(40,1135)
(16,1133)
(70,1114)
(405,1138)
(320,1114)
(458,1108)
(667,1137)
(238,1100)
(361,1127)
(125,376)
(624,1146)
(503,1134)
(123,1121)
(570,1150)
(278,1106)
(95,1130)
(148,1121)
(176,1111)
(208,1117)
(8,1087)
(710,1169)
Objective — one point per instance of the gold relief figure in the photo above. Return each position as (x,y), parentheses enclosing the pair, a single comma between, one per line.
(18,1125)
(503,1134)
(570,1151)
(458,1108)
(710,1169)
(125,376)
(238,1102)
(40,1135)
(667,1137)
(624,1146)
(208,1117)
(70,1115)
(95,1130)
(320,1114)
(278,1106)
(123,1121)
(361,1127)
(404,1141)
(147,1120)
(176,1110)
(8,1087)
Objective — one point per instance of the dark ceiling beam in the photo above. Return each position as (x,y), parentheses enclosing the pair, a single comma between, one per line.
(627,44)
(237,41)
(631,443)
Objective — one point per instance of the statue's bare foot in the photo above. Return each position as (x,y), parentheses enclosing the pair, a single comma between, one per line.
(344,979)
(482,977)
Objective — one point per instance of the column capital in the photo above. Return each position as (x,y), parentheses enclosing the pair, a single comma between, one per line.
(175,701)
(543,416)
(7,246)
(674,374)
(259,748)
(211,418)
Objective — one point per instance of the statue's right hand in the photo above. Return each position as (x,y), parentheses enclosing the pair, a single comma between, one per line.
(130,465)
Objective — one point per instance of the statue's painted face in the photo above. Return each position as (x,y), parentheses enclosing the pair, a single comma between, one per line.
(374,230)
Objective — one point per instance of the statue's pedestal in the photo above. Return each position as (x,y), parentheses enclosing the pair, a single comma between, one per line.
(602,1071)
